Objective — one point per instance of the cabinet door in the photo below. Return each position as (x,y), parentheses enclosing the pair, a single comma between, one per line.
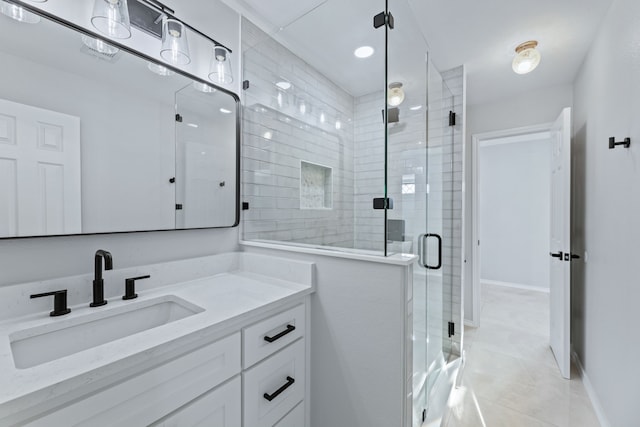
(220,407)
(274,386)
(149,396)
(270,335)
(294,418)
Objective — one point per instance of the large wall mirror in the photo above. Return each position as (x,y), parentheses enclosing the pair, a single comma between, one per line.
(95,139)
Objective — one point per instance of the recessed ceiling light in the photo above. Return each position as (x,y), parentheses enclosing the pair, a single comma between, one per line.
(284,85)
(364,52)
(225,111)
(415,107)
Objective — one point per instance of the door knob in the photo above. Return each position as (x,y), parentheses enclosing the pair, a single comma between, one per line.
(556,255)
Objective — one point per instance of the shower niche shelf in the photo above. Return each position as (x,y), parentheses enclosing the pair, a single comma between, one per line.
(316,186)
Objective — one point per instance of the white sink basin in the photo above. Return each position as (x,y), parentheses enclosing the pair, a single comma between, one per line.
(34,346)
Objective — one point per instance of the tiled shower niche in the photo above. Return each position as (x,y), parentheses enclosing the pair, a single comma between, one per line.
(316,186)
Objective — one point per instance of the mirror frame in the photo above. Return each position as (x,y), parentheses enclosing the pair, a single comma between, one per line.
(81,30)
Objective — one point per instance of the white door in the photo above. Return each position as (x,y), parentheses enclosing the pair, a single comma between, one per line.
(39,171)
(560,241)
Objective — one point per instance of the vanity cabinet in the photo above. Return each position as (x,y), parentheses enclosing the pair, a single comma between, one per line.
(220,407)
(275,368)
(262,365)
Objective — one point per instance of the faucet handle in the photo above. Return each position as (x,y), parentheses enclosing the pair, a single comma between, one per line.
(59,302)
(130,287)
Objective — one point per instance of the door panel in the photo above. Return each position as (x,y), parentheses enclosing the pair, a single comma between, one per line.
(40,170)
(560,242)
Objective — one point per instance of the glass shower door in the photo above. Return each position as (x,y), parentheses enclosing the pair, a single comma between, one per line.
(420,183)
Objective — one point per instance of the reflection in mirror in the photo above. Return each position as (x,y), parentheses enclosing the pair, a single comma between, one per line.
(89,141)
(203,190)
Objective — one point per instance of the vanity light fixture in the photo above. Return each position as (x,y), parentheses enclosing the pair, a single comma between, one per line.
(159,69)
(111,18)
(175,47)
(527,57)
(395,96)
(364,52)
(19,13)
(99,46)
(220,68)
(203,87)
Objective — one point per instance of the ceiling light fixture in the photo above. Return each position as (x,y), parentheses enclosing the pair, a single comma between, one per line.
(527,57)
(395,95)
(225,111)
(175,48)
(415,107)
(111,18)
(284,85)
(220,68)
(19,13)
(364,52)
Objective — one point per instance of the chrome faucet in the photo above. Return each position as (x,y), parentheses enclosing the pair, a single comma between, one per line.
(98,283)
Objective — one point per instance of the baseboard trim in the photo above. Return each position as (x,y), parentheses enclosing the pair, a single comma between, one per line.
(595,402)
(514,285)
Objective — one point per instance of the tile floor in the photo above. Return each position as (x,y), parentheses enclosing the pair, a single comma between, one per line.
(510,378)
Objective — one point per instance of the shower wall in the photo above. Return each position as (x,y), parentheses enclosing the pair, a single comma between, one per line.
(297,157)
(406,172)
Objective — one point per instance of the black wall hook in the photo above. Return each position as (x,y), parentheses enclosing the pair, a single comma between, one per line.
(612,143)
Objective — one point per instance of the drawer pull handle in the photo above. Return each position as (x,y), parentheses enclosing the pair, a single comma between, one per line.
(275,394)
(290,328)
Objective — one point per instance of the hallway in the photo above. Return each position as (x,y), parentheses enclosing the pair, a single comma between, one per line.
(511,378)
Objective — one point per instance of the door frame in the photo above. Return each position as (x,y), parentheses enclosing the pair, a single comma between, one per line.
(476,140)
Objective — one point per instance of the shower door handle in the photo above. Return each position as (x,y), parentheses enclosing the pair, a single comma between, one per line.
(422,253)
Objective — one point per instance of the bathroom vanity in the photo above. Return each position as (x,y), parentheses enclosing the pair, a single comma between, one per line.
(216,341)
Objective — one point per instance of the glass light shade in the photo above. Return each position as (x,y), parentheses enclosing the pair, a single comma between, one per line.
(175,47)
(527,58)
(111,18)
(99,45)
(159,69)
(203,87)
(220,69)
(19,13)
(395,96)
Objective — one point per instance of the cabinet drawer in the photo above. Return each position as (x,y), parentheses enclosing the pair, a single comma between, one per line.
(155,393)
(294,418)
(279,330)
(280,378)
(220,407)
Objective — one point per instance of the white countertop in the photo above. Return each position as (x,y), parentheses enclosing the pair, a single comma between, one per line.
(336,252)
(227,300)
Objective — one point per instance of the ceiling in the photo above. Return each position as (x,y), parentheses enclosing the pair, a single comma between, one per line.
(482,35)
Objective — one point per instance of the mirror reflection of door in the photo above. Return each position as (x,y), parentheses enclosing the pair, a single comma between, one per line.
(205,182)
(39,171)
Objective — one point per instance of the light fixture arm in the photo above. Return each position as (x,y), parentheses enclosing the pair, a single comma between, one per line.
(170,13)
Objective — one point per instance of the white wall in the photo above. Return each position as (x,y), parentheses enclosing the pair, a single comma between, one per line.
(541,106)
(358,341)
(513,199)
(606,189)
(23,260)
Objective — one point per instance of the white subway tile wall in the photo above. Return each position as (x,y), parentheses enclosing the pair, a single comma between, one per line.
(294,114)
